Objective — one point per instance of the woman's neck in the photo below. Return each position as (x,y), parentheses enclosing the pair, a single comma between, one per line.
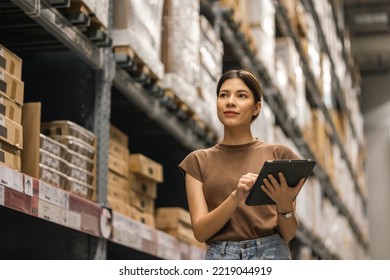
(237,138)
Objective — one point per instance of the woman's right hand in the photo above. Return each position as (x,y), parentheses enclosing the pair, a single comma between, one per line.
(245,184)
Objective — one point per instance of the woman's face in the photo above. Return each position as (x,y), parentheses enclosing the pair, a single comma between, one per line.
(235,103)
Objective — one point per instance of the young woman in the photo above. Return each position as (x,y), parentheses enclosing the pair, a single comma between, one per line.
(218,180)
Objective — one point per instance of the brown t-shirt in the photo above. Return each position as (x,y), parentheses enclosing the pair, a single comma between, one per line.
(219,169)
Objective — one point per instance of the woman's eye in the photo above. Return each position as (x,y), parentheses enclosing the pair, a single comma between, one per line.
(242,96)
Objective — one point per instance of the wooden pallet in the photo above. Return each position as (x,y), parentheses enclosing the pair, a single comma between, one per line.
(128,59)
(80,15)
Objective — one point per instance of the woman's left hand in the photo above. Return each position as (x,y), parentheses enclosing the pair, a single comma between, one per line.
(283,194)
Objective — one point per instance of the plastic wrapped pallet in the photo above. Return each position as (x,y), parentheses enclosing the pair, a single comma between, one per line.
(211,49)
(263,126)
(137,24)
(261,19)
(180,41)
(99,9)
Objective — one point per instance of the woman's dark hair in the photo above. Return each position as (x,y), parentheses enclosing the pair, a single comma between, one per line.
(248,78)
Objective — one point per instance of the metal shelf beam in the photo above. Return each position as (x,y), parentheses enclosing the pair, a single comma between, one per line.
(58,26)
(156,111)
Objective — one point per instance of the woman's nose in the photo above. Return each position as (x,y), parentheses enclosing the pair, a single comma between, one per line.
(231,101)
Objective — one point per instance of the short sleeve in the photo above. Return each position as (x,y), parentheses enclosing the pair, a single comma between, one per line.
(284,152)
(192,165)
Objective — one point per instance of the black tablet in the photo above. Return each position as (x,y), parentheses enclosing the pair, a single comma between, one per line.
(293,170)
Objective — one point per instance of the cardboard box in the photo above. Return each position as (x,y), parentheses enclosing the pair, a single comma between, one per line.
(81,175)
(143,185)
(52,146)
(10,62)
(120,206)
(52,176)
(11,132)
(116,181)
(10,156)
(76,145)
(119,136)
(80,161)
(118,150)
(170,217)
(31,122)
(118,193)
(79,188)
(12,87)
(52,161)
(144,217)
(175,221)
(141,202)
(10,109)
(117,165)
(68,128)
(145,166)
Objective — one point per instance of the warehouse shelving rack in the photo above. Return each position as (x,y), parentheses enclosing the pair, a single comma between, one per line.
(238,44)
(314,92)
(109,73)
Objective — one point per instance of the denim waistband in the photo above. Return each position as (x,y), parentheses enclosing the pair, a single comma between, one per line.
(269,247)
(263,241)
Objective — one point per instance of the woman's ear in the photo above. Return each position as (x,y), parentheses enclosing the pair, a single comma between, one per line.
(257,109)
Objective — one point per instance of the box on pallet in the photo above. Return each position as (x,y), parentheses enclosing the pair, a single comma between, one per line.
(10,109)
(68,128)
(144,217)
(180,39)
(11,132)
(137,25)
(140,164)
(118,165)
(12,87)
(120,206)
(10,62)
(98,10)
(119,136)
(175,221)
(116,181)
(78,176)
(10,156)
(142,202)
(143,185)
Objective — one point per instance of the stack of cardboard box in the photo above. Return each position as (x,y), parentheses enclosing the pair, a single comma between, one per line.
(144,175)
(117,188)
(11,101)
(77,166)
(176,221)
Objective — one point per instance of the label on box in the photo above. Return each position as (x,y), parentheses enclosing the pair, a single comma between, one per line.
(11,179)
(28,185)
(2,190)
(49,211)
(53,195)
(70,219)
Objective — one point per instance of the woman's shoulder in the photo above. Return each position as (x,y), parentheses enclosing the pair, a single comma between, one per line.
(281,151)
(200,153)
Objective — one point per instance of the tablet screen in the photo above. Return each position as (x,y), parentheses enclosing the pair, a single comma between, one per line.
(293,171)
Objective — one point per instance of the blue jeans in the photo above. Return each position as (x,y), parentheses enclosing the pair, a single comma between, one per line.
(272,247)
